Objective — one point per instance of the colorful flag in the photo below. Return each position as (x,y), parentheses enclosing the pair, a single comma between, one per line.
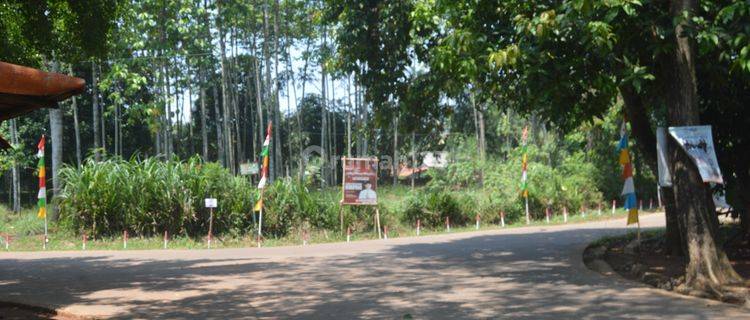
(42,195)
(524,185)
(264,169)
(628,188)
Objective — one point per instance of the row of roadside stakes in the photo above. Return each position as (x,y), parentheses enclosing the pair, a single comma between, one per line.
(306,235)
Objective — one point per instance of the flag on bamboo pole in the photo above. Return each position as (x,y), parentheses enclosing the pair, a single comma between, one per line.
(264,169)
(42,195)
(524,163)
(628,188)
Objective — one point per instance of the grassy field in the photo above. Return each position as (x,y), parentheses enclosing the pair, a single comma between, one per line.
(26,233)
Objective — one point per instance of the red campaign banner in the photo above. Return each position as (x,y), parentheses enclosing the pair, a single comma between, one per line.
(360,181)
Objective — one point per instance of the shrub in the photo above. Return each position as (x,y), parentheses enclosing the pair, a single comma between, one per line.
(150,196)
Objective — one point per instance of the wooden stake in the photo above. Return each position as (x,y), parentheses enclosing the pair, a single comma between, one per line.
(565,214)
(528,216)
(125,239)
(502,219)
(546,214)
(341,217)
(260,225)
(477,227)
(348,234)
(614,205)
(166,236)
(418,226)
(83,246)
(210,226)
(377,221)
(385,232)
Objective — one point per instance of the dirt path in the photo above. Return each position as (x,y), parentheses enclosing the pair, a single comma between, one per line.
(533,273)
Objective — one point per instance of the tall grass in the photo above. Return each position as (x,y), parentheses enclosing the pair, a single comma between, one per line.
(151,196)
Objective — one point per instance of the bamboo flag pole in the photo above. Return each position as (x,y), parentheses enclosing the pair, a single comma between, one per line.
(262,184)
(42,195)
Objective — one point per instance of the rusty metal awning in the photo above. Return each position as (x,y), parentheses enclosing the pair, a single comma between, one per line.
(24,89)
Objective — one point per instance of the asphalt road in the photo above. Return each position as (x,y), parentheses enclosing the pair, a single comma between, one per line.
(520,273)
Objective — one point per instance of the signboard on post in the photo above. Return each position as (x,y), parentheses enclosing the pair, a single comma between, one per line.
(360,181)
(248,168)
(360,185)
(211,202)
(698,142)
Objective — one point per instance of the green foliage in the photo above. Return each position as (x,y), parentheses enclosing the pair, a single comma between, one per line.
(288,204)
(151,196)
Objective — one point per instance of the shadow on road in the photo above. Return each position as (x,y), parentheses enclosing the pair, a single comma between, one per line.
(534,276)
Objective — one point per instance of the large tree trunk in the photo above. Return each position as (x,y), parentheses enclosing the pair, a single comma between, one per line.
(204,129)
(395,151)
(708,269)
(225,99)
(276,110)
(646,142)
(95,110)
(219,134)
(76,124)
(15,171)
(258,102)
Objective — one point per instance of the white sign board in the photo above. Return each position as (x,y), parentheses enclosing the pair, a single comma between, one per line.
(665,178)
(248,168)
(698,142)
(211,202)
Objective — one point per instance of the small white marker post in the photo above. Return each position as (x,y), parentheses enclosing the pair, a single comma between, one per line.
(125,239)
(418,226)
(348,234)
(546,214)
(7,242)
(583,212)
(211,203)
(46,236)
(502,219)
(651,204)
(640,205)
(448,224)
(166,238)
(477,227)
(599,209)
(614,205)
(385,232)
(305,237)
(83,246)
(565,214)
(528,216)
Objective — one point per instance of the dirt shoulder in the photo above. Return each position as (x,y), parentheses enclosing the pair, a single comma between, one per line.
(648,262)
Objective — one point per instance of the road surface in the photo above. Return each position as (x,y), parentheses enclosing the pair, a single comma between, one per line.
(520,273)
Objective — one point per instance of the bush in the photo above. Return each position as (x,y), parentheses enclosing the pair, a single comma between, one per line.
(288,204)
(150,196)
(432,207)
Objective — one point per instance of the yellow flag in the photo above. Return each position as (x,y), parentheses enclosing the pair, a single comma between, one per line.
(632,216)
(624,157)
(42,212)
(258,205)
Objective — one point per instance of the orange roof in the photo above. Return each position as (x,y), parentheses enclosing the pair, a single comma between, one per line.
(24,89)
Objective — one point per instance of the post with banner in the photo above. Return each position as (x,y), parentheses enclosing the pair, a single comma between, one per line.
(42,195)
(359,186)
(628,189)
(262,183)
